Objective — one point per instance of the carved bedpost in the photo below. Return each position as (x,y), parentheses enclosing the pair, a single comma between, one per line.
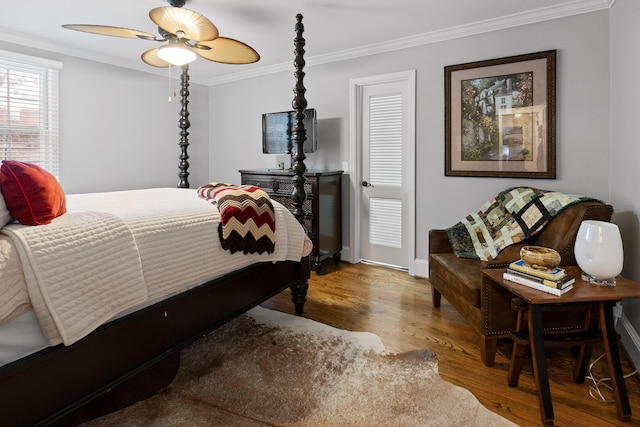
(184,124)
(299,135)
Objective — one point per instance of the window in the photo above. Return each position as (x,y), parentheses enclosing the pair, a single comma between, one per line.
(29,110)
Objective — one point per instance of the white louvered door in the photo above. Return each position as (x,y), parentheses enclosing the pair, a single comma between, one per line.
(383,225)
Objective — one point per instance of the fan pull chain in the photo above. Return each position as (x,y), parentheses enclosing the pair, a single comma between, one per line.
(172,86)
(169,100)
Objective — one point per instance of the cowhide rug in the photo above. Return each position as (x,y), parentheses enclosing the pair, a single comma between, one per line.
(267,368)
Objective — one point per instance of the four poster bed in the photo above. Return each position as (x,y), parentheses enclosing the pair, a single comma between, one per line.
(158,280)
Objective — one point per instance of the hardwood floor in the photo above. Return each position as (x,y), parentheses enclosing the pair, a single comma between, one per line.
(398,308)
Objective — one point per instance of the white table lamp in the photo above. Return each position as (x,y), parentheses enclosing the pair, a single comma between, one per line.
(598,252)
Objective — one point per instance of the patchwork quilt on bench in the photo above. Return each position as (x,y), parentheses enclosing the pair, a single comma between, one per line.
(511,217)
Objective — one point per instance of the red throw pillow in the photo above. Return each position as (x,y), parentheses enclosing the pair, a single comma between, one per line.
(33,196)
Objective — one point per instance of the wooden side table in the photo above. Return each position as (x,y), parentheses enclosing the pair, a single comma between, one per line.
(582,293)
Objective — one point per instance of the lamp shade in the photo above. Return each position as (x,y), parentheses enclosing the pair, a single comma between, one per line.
(598,251)
(176,54)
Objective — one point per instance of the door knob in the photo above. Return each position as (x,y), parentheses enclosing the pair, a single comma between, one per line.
(367,184)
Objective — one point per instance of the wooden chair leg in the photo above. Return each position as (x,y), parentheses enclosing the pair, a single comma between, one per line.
(435,296)
(582,364)
(520,346)
(520,342)
(584,351)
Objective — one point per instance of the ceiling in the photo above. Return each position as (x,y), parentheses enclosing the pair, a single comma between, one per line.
(334,29)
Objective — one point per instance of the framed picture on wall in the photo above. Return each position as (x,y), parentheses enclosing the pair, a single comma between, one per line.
(500,117)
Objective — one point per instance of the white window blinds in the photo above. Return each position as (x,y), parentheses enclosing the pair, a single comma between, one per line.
(29,110)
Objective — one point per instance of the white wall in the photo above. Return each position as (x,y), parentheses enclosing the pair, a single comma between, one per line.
(625,152)
(235,130)
(117,130)
(582,115)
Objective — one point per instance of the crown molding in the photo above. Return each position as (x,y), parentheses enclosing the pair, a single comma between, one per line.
(35,43)
(22,39)
(575,7)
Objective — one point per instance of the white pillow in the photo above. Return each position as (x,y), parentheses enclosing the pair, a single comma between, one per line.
(5,216)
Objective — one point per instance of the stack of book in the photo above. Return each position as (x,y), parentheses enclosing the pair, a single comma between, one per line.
(555,281)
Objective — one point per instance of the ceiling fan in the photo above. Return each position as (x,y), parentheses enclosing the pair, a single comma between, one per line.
(188,34)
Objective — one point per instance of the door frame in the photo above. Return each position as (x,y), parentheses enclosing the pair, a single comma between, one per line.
(355,151)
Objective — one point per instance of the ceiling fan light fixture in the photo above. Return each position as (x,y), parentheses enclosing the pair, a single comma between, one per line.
(189,35)
(176,54)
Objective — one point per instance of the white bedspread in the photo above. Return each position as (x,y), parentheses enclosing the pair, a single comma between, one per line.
(114,250)
(14,299)
(80,270)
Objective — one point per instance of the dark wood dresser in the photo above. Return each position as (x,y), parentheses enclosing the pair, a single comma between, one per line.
(323,207)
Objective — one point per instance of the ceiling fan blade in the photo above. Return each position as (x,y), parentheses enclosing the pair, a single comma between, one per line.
(194,25)
(228,51)
(110,31)
(151,57)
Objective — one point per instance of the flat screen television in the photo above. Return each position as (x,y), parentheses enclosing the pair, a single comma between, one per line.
(277,129)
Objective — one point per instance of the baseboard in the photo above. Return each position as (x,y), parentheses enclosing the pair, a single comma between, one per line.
(345,254)
(421,268)
(630,339)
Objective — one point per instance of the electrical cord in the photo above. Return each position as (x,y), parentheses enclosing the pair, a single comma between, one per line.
(595,389)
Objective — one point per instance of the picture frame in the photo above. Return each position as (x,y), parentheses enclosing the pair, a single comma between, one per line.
(500,117)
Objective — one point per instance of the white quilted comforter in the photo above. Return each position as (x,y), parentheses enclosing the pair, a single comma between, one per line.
(114,251)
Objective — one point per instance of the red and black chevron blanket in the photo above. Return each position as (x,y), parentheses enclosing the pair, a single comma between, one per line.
(247,217)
